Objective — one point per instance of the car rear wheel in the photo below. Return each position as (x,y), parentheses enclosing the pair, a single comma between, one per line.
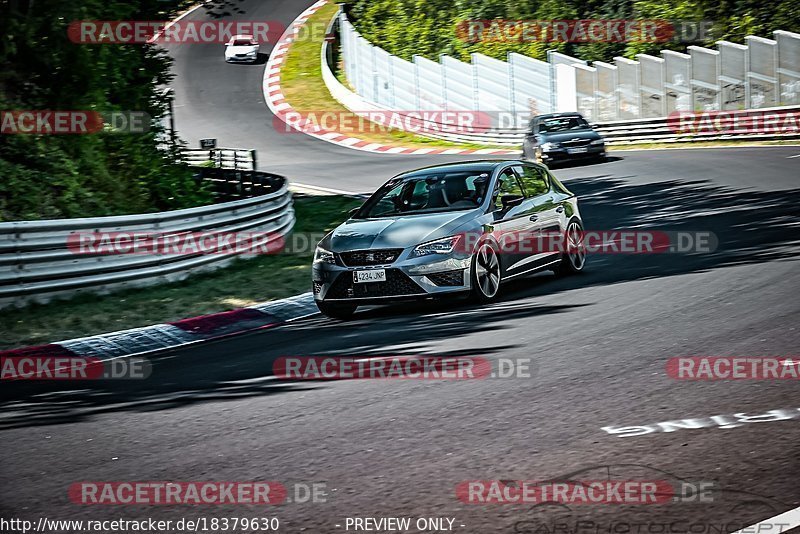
(574,257)
(485,273)
(337,310)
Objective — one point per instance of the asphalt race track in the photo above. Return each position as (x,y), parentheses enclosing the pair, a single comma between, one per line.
(598,345)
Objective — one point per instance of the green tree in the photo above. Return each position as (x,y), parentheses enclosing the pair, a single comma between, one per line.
(47,176)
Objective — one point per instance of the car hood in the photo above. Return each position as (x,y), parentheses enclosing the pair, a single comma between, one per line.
(394,232)
(232,50)
(558,137)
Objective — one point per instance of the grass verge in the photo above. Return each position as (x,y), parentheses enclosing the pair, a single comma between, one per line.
(303,87)
(244,283)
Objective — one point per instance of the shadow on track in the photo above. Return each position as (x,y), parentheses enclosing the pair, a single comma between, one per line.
(751,226)
(584,162)
(242,367)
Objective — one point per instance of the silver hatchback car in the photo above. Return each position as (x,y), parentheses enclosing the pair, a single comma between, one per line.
(455,228)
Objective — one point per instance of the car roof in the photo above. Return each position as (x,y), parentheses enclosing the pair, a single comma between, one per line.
(486,165)
(242,36)
(558,115)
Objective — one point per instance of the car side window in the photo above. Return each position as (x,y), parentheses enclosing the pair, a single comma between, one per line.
(534,180)
(507,188)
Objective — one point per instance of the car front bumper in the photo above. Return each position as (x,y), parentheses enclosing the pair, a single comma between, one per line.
(563,154)
(241,59)
(406,279)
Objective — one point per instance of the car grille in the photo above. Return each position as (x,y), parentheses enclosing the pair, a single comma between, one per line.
(579,141)
(397,284)
(359,258)
(449,278)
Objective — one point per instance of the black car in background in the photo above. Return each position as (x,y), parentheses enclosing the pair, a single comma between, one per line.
(560,137)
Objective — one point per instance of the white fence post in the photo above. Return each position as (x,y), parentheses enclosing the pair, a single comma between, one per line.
(677,73)
(732,77)
(652,94)
(788,67)
(607,105)
(705,78)
(761,87)
(630,106)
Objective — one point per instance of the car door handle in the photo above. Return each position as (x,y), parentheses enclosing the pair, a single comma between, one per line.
(533,217)
(560,209)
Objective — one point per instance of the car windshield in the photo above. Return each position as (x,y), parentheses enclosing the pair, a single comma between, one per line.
(426,193)
(242,42)
(560,124)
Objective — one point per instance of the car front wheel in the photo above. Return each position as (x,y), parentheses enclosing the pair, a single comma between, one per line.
(485,273)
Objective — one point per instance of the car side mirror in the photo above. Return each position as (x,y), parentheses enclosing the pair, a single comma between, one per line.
(509,201)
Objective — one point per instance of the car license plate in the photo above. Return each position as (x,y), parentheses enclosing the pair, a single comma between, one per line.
(373,275)
(579,150)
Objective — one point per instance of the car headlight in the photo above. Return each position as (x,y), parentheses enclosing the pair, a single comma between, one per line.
(440,246)
(323,256)
(549,146)
(598,142)
(252,53)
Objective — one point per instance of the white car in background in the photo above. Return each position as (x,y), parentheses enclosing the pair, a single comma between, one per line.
(241,48)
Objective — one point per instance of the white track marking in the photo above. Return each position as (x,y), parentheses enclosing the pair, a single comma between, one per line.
(783,522)
(186,13)
(271,81)
(327,190)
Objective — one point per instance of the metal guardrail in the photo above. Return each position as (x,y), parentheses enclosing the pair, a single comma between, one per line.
(231,184)
(224,158)
(643,131)
(37,264)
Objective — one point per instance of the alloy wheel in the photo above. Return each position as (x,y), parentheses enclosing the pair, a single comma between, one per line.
(487,271)
(576,248)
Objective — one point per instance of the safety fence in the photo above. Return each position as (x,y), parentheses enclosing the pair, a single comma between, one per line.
(711,126)
(721,126)
(39,262)
(763,73)
(224,158)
